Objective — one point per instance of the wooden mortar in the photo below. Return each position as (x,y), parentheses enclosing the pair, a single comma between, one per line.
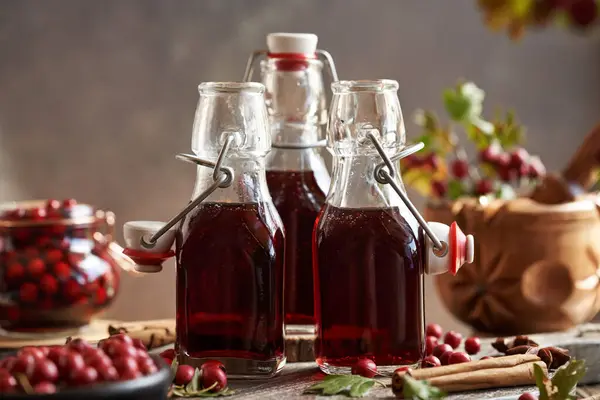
(536,265)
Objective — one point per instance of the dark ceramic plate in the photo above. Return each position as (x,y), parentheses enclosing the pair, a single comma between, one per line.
(151,387)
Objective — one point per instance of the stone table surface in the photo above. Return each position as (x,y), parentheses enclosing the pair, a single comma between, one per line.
(583,342)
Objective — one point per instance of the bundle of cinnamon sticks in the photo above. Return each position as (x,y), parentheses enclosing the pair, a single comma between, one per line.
(490,373)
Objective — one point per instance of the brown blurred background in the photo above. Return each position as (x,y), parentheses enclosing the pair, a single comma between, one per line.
(96,97)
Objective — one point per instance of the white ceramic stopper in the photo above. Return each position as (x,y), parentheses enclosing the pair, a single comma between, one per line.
(303,43)
(134,231)
(460,249)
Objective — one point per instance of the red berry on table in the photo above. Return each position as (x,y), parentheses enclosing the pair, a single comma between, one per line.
(445,357)
(213,375)
(441,349)
(125,364)
(527,396)
(45,371)
(45,388)
(472,345)
(8,383)
(68,203)
(460,168)
(364,367)
(83,376)
(430,362)
(430,343)
(458,357)
(184,374)
(28,292)
(453,339)
(434,330)
(36,267)
(168,354)
(48,284)
(583,12)
(439,188)
(483,187)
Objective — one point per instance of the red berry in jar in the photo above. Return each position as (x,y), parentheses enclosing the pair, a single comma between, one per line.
(71,289)
(430,362)
(458,357)
(434,330)
(472,345)
(460,168)
(14,272)
(36,267)
(83,376)
(444,358)
(430,343)
(68,203)
(28,293)
(527,396)
(213,376)
(364,367)
(441,349)
(53,256)
(184,374)
(483,187)
(62,270)
(45,388)
(48,284)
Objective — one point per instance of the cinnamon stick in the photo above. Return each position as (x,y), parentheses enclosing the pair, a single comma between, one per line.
(496,372)
(152,333)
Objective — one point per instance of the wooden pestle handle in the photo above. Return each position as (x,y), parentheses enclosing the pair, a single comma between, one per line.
(581,169)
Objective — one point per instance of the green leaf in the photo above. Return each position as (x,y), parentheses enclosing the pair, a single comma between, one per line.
(455,189)
(174,365)
(420,390)
(194,384)
(361,389)
(542,382)
(349,385)
(419,179)
(465,103)
(457,106)
(566,377)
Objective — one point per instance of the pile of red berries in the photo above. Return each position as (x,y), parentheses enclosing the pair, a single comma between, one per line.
(445,353)
(41,269)
(77,363)
(211,376)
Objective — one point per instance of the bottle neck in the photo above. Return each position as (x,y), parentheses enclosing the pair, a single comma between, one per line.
(249,183)
(353,184)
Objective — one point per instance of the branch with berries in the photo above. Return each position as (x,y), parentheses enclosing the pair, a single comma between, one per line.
(443,171)
(516,16)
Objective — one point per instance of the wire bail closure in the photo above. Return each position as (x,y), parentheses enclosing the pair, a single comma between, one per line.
(384,177)
(322,55)
(222,177)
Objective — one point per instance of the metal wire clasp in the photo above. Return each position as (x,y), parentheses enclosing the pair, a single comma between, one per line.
(384,177)
(222,177)
(323,55)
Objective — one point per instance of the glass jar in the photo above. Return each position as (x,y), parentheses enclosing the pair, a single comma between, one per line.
(57,267)
(229,240)
(296,173)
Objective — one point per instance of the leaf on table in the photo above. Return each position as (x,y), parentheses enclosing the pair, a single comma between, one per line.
(349,385)
(420,390)
(566,377)
(174,366)
(194,384)
(542,382)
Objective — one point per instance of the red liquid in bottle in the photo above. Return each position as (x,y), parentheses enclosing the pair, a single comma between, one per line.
(229,283)
(369,277)
(298,199)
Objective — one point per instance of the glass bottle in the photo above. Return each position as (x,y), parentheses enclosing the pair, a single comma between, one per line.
(229,241)
(296,173)
(370,254)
